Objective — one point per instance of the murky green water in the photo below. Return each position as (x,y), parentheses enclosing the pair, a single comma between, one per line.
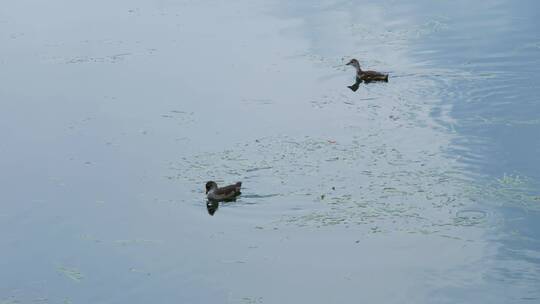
(425,189)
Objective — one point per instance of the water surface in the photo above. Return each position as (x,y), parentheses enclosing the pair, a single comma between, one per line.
(425,189)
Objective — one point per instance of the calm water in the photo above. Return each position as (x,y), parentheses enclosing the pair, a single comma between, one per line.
(425,189)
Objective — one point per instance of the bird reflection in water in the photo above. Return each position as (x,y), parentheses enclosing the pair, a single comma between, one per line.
(355,86)
(212,205)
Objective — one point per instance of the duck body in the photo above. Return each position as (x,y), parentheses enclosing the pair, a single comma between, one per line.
(227,193)
(367,76)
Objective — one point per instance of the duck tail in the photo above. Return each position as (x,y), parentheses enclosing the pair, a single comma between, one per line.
(386,78)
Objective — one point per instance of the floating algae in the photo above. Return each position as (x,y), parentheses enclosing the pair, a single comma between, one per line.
(469,217)
(90,238)
(140,271)
(136,241)
(71,273)
(251,300)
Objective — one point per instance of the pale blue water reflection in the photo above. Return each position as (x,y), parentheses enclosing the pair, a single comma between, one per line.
(424,189)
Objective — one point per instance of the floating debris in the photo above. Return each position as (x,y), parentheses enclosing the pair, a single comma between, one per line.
(90,238)
(470,217)
(140,271)
(136,241)
(71,273)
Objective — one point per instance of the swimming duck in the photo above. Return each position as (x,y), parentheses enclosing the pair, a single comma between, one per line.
(367,76)
(227,193)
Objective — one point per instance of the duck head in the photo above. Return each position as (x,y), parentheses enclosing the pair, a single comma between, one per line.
(354,63)
(211,185)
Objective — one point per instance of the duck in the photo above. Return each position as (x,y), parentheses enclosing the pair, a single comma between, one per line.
(367,76)
(227,193)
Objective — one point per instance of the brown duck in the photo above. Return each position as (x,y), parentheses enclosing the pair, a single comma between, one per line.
(366,76)
(214,193)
